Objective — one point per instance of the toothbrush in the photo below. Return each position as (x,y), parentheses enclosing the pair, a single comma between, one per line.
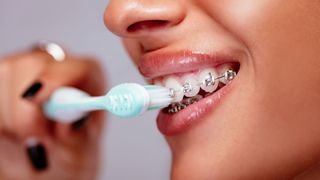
(68,104)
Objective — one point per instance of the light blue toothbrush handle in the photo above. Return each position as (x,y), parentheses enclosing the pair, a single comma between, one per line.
(68,104)
(127,100)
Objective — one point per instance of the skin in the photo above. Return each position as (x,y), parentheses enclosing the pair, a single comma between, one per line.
(268,125)
(266,128)
(71,153)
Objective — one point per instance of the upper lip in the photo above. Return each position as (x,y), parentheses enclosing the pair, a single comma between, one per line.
(154,65)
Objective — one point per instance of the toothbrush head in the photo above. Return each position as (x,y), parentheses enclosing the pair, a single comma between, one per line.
(131,99)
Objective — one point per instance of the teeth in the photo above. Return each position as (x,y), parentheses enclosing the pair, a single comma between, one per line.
(190,86)
(192,100)
(207,79)
(173,83)
(178,106)
(229,75)
(223,71)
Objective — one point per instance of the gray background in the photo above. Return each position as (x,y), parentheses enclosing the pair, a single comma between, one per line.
(132,149)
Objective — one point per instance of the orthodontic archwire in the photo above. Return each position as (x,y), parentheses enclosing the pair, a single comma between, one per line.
(229,75)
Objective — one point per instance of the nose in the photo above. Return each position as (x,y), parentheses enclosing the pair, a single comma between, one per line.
(129,18)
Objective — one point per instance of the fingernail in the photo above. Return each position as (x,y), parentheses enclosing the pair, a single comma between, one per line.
(37,154)
(32,90)
(80,123)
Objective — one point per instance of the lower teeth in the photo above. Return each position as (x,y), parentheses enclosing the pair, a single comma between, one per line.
(176,107)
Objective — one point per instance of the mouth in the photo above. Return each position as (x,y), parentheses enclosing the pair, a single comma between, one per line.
(198,83)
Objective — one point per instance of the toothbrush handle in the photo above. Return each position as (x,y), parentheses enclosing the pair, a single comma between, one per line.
(126,100)
(68,104)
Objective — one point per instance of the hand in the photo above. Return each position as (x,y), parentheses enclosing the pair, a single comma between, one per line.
(33,147)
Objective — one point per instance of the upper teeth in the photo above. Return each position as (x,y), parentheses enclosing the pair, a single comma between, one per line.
(209,83)
(227,73)
(173,83)
(189,85)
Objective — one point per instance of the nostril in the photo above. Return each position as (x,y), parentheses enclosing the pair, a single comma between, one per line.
(147,25)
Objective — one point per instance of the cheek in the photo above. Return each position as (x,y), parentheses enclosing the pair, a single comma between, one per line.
(283,41)
(276,110)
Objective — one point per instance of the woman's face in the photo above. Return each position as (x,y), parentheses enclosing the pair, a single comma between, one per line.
(265,123)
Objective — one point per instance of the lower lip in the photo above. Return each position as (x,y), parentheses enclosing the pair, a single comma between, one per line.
(173,124)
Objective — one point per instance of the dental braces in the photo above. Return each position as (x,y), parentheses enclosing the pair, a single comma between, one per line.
(187,87)
(175,107)
(178,106)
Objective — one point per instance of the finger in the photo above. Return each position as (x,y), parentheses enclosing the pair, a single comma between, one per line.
(80,136)
(15,73)
(21,70)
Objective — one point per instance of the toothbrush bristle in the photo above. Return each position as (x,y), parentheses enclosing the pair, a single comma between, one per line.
(159,96)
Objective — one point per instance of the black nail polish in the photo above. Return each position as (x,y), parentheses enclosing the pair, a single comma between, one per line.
(37,155)
(32,90)
(80,123)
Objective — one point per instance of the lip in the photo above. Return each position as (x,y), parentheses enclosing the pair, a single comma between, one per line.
(155,65)
(172,124)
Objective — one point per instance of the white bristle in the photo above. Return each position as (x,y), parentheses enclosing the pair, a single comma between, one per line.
(159,97)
